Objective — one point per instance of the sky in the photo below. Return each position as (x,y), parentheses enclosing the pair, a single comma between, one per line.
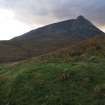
(20,16)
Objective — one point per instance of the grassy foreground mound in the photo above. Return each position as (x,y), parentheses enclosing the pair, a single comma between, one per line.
(53,84)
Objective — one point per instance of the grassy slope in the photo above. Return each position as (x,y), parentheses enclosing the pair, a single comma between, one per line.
(66,78)
(53,84)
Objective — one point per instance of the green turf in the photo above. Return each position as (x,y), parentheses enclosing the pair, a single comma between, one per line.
(53,84)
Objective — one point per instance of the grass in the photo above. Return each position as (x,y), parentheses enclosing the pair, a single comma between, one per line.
(53,84)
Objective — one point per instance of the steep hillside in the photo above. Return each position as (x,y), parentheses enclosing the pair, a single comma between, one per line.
(86,51)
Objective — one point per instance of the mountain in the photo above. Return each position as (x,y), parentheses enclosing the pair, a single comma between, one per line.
(76,28)
(48,39)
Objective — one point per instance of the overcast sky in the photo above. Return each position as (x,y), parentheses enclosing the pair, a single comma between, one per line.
(19,16)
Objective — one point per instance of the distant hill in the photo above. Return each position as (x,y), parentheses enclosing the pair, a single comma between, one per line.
(48,39)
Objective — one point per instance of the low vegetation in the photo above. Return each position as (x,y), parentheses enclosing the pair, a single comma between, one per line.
(79,83)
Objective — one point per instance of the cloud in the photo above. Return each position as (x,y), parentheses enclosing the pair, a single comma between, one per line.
(49,11)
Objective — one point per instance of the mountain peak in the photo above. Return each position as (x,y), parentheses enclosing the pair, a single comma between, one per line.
(80,17)
(84,21)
